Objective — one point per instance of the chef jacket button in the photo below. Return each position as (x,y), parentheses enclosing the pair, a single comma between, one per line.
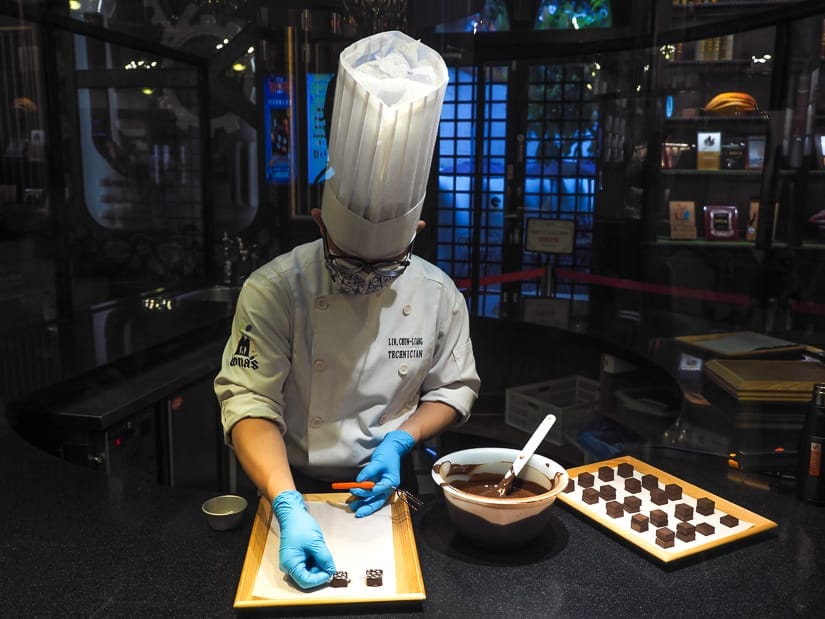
(316,422)
(321,303)
(407,310)
(382,420)
(403,369)
(320,365)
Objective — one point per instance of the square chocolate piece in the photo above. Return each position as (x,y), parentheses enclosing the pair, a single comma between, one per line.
(683,511)
(632,504)
(339,579)
(614,509)
(729,521)
(375,578)
(625,469)
(664,537)
(590,496)
(658,518)
(571,485)
(705,506)
(607,492)
(685,532)
(658,496)
(705,529)
(605,473)
(638,522)
(633,485)
(586,480)
(650,481)
(673,491)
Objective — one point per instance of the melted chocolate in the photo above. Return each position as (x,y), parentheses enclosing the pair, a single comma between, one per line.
(484,484)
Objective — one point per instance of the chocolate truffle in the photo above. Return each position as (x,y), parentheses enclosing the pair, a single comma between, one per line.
(658,496)
(339,579)
(607,492)
(605,473)
(590,496)
(650,481)
(632,504)
(729,521)
(658,518)
(638,522)
(683,511)
(625,469)
(705,506)
(685,531)
(571,485)
(632,485)
(673,491)
(705,529)
(664,537)
(586,480)
(614,509)
(375,577)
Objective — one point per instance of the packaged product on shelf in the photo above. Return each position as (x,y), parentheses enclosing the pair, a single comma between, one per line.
(733,154)
(708,150)
(721,223)
(682,219)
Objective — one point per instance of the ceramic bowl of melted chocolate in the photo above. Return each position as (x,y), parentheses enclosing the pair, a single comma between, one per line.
(468,479)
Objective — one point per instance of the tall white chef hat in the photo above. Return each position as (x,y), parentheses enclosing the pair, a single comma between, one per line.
(388,96)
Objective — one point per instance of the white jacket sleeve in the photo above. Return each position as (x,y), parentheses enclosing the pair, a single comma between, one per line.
(453,378)
(256,359)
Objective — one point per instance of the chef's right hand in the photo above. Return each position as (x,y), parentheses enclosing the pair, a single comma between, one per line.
(303,553)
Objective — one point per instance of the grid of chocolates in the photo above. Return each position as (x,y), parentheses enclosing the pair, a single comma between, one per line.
(640,502)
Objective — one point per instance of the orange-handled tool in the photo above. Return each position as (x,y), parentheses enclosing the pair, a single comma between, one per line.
(347,485)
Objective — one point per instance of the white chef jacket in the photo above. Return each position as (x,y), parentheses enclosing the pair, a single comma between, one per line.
(339,371)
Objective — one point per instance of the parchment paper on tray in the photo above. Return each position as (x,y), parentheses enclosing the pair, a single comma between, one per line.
(356,544)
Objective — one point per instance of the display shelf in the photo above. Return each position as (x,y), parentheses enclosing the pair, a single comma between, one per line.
(663,240)
(699,242)
(753,117)
(718,66)
(718,7)
(752,174)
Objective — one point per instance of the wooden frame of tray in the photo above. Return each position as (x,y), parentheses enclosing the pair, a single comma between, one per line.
(764,380)
(409,580)
(703,343)
(759,524)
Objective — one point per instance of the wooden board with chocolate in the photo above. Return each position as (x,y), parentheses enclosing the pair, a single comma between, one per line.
(661,514)
(376,558)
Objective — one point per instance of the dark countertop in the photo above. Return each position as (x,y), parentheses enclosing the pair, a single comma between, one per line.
(76,543)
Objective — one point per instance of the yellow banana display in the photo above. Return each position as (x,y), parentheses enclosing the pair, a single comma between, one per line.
(731,103)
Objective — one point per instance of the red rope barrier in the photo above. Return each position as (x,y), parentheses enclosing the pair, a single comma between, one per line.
(732,298)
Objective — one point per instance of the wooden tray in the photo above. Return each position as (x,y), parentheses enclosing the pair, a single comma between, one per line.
(409,580)
(739,344)
(763,380)
(749,522)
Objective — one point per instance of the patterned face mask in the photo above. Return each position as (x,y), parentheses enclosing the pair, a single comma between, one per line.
(359,282)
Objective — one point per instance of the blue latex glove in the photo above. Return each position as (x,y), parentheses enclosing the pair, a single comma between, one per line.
(384,469)
(303,553)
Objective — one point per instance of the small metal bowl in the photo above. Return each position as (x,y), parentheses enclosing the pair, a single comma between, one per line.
(224,512)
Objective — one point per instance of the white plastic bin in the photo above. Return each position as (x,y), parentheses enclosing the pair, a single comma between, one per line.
(574,400)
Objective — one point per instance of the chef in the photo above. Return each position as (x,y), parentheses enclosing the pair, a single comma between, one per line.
(347,351)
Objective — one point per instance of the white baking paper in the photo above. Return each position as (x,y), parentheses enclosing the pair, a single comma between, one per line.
(356,544)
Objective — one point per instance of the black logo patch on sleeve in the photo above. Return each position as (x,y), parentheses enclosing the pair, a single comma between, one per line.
(245,354)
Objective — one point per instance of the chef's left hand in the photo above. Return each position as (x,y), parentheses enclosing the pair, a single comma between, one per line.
(384,469)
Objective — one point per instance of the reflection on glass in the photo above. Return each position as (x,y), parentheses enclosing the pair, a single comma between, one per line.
(575,15)
(492,17)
